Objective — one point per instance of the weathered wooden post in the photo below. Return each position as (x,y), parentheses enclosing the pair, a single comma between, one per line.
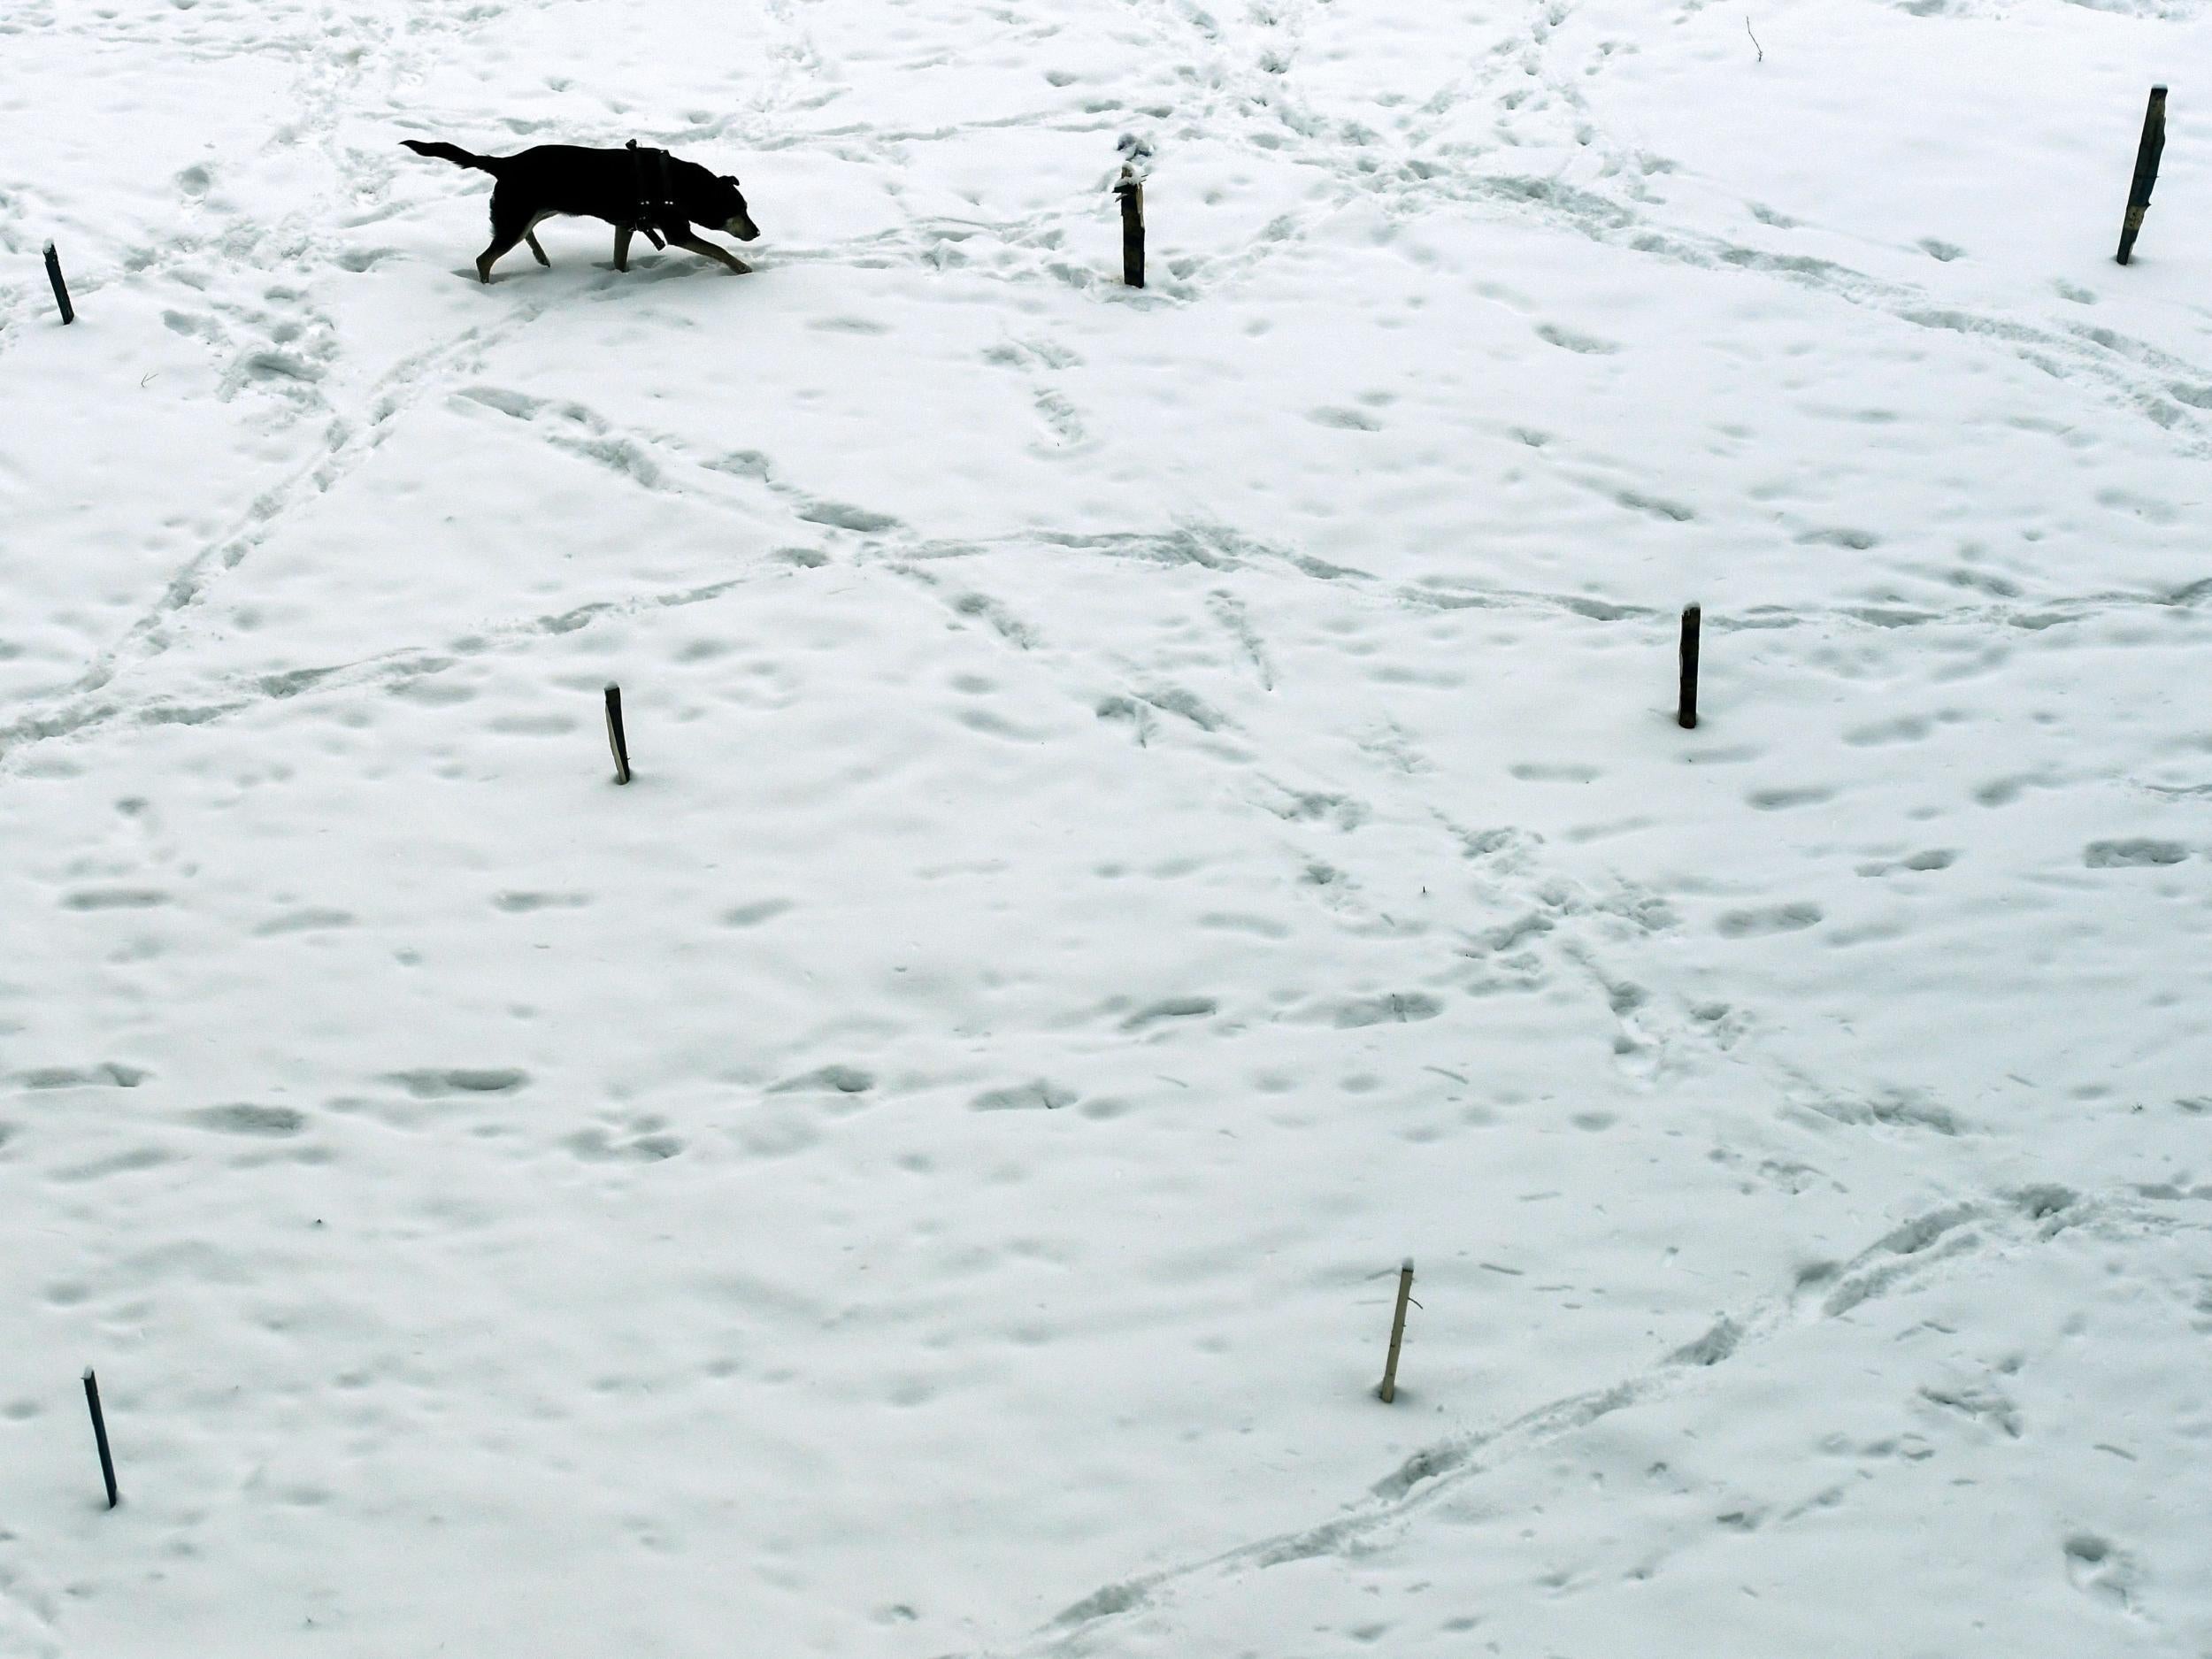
(61,289)
(1389,1390)
(1131,190)
(1686,701)
(616,741)
(2152,146)
(100,1434)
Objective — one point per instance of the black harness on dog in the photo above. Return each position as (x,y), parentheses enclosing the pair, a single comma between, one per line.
(656,202)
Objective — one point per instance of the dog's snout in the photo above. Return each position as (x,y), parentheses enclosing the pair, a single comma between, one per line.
(743,228)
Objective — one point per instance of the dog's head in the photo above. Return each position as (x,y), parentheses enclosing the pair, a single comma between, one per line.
(710,198)
(725,207)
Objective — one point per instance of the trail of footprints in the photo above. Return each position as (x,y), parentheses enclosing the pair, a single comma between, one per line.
(1905,1257)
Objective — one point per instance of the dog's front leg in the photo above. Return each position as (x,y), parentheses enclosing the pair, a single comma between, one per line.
(622,235)
(699,244)
(531,236)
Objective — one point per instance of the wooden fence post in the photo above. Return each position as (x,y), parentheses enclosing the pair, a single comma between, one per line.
(1131,190)
(100,1434)
(61,289)
(1685,702)
(2148,152)
(1389,1390)
(616,741)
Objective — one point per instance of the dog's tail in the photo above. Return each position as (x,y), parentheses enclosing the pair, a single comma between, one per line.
(455,154)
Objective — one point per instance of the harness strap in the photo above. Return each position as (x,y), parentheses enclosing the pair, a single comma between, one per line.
(656,204)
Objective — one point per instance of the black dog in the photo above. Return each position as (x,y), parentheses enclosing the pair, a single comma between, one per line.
(633,189)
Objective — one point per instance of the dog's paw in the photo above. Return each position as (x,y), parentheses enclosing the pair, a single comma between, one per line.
(738,267)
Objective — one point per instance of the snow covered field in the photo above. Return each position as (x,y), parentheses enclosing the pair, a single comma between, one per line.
(1151,807)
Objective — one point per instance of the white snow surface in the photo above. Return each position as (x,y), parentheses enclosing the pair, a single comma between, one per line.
(1151,806)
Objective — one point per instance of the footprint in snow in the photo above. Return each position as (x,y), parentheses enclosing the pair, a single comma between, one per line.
(2135,852)
(1774,919)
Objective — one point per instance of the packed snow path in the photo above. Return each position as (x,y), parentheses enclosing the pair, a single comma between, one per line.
(1150,808)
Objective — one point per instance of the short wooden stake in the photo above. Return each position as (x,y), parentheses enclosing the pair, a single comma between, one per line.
(1686,704)
(100,1433)
(61,289)
(2152,146)
(1131,190)
(1389,1390)
(615,739)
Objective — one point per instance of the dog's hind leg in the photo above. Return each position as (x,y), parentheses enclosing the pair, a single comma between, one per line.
(501,246)
(622,235)
(511,228)
(699,244)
